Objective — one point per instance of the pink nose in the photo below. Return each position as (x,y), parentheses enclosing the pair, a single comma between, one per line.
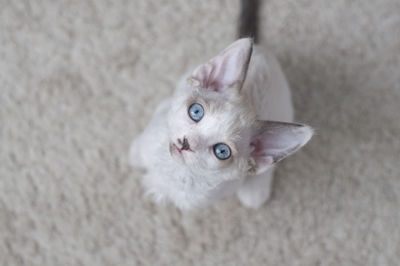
(188,144)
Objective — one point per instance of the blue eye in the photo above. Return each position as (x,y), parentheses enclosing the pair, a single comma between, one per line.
(196,112)
(222,151)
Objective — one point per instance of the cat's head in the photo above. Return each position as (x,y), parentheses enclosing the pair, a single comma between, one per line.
(212,130)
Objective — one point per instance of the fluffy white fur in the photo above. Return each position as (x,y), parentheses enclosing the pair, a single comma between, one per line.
(242,90)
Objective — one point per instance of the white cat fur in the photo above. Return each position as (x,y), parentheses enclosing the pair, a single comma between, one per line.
(232,115)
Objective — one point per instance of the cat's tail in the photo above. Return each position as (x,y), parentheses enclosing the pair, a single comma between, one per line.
(248,20)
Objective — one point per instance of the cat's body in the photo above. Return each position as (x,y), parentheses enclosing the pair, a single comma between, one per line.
(218,134)
(265,93)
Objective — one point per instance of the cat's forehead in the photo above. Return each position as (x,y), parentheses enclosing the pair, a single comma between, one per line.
(223,115)
(216,102)
(226,114)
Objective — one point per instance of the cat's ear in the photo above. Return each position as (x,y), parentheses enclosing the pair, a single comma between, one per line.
(227,70)
(272,141)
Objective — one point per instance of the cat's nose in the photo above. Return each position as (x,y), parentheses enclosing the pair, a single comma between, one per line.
(185,144)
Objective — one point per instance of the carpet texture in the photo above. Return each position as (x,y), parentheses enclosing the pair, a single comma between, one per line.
(80,79)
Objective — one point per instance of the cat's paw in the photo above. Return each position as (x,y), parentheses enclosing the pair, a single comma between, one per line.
(254,199)
(256,190)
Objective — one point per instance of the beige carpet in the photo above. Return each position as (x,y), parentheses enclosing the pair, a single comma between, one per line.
(79,80)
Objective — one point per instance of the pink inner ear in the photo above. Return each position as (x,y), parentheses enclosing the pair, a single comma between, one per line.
(226,69)
(259,153)
(208,79)
(258,148)
(277,140)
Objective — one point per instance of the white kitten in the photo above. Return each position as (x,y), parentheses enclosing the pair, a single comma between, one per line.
(215,136)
